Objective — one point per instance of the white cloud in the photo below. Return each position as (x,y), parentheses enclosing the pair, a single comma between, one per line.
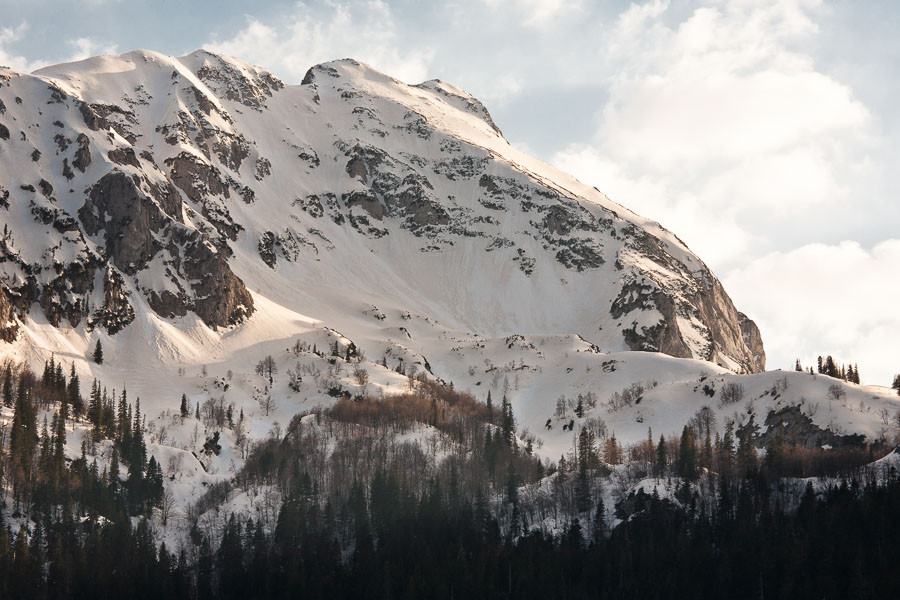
(536,13)
(85,47)
(81,48)
(11,35)
(365,31)
(826,299)
(721,241)
(717,127)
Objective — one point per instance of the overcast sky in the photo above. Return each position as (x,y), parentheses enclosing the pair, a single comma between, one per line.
(765,133)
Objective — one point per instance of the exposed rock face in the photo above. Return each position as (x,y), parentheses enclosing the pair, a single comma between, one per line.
(83,154)
(135,228)
(130,218)
(720,333)
(9,327)
(266,248)
(219,296)
(753,341)
(793,427)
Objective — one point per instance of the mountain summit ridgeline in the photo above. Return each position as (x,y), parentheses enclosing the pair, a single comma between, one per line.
(140,189)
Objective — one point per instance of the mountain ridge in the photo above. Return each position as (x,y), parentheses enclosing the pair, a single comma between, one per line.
(192,173)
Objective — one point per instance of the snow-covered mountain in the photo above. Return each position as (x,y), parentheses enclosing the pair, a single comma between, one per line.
(196,215)
(188,196)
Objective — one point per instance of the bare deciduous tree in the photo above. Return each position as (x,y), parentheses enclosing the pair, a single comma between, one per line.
(267,404)
(732,393)
(267,368)
(167,503)
(362,377)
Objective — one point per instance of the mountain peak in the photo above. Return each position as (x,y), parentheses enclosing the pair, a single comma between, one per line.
(174,186)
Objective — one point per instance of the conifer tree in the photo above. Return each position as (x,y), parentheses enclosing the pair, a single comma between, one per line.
(23,437)
(184,407)
(687,454)
(830,367)
(746,450)
(726,452)
(662,458)
(76,403)
(59,450)
(7,386)
(114,476)
(98,353)
(585,461)
(599,520)
(507,423)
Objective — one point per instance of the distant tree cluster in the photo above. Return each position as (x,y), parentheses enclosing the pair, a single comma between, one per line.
(827,366)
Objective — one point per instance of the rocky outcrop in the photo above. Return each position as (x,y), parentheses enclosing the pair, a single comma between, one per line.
(753,341)
(250,89)
(682,296)
(266,247)
(82,154)
(9,325)
(129,218)
(135,228)
(63,297)
(219,296)
(725,338)
(791,427)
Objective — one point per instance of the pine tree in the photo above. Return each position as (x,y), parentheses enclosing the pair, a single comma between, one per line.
(23,437)
(49,373)
(585,461)
(114,476)
(726,452)
(490,407)
(184,407)
(746,450)
(59,380)
(98,353)
(512,485)
(687,454)
(797,366)
(662,458)
(7,386)
(73,392)
(896,384)
(830,367)
(59,451)
(139,448)
(507,423)
(599,520)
